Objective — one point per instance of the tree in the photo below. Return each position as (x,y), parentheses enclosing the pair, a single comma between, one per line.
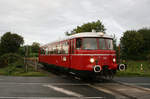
(145,32)
(35,47)
(131,44)
(0,50)
(87,27)
(10,43)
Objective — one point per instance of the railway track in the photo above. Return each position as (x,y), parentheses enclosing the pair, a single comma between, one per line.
(119,89)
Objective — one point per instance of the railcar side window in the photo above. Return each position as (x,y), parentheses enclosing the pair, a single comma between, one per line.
(90,43)
(59,48)
(51,49)
(65,48)
(54,50)
(42,51)
(46,51)
(78,43)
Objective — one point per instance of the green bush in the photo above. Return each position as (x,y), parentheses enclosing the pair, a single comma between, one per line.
(10,58)
(33,55)
(148,57)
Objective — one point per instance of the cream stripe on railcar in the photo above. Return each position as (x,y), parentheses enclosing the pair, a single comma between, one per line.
(83,34)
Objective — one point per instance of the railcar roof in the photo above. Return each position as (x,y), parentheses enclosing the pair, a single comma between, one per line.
(89,34)
(83,34)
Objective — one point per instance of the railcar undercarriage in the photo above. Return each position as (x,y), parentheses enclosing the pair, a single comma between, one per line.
(104,73)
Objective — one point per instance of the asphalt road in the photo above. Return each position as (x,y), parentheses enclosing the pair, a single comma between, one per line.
(57,87)
(47,88)
(139,81)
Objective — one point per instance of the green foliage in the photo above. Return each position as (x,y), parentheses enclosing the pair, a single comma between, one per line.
(9,59)
(10,43)
(30,50)
(131,44)
(13,64)
(145,32)
(136,44)
(21,51)
(134,69)
(35,47)
(33,55)
(87,27)
(14,70)
(148,57)
(10,62)
(1,50)
(32,73)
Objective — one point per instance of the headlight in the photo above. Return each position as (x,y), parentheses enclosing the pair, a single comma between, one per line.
(92,60)
(114,60)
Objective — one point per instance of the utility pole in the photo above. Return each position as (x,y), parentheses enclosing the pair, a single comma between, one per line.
(25,59)
(36,64)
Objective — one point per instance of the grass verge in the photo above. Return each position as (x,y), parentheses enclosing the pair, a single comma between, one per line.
(20,71)
(134,69)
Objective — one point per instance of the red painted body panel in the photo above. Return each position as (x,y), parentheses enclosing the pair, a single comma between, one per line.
(55,60)
(80,60)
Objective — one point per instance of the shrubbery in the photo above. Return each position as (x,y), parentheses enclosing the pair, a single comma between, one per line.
(11,59)
(135,45)
(148,57)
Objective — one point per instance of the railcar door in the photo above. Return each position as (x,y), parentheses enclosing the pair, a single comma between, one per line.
(71,51)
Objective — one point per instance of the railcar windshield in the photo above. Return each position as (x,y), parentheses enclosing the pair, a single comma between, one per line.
(109,44)
(94,43)
(90,43)
(105,44)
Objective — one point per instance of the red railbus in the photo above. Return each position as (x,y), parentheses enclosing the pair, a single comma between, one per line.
(86,54)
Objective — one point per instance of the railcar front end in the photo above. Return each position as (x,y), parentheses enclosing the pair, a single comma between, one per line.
(94,55)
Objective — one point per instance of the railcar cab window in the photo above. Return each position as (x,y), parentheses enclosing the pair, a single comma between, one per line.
(102,44)
(78,43)
(105,44)
(89,43)
(110,44)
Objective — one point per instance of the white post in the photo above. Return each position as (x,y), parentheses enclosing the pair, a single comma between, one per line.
(141,67)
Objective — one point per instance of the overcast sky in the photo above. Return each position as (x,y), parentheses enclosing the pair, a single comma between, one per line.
(46,20)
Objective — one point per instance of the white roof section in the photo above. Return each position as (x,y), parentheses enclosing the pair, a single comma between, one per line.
(83,34)
(89,34)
